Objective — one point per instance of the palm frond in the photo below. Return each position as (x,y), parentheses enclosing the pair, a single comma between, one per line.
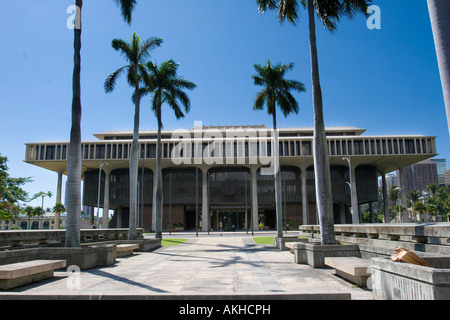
(110,82)
(127,7)
(124,49)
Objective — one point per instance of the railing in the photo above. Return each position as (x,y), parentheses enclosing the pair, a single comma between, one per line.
(10,240)
(239,147)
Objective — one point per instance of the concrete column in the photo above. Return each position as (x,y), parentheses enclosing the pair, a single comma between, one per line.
(355,206)
(205,201)
(254,190)
(305,204)
(402,195)
(154,201)
(342,212)
(105,222)
(387,218)
(58,199)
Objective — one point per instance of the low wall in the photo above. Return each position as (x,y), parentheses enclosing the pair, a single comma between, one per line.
(19,239)
(379,240)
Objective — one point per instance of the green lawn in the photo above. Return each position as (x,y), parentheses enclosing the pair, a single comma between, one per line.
(171,242)
(263,240)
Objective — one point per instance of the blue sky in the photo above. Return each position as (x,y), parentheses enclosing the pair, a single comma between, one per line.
(386,81)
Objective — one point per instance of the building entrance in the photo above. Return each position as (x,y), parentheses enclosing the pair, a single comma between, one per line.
(231,220)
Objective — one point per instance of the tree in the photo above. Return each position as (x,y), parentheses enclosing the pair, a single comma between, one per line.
(329,13)
(166,87)
(74,160)
(440,22)
(432,188)
(11,192)
(420,208)
(414,196)
(58,209)
(135,53)
(276,92)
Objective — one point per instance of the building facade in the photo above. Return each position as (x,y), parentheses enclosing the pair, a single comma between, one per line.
(419,175)
(221,177)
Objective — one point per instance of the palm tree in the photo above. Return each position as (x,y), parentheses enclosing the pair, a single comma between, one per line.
(414,196)
(276,91)
(420,208)
(432,188)
(393,194)
(166,87)
(440,22)
(28,210)
(136,52)
(58,209)
(74,160)
(329,12)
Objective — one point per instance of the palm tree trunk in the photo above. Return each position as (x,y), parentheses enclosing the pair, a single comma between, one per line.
(440,22)
(74,159)
(324,201)
(277,175)
(134,168)
(159,192)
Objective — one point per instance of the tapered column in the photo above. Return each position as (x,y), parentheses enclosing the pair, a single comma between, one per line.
(342,212)
(355,206)
(387,218)
(58,200)
(154,201)
(305,204)
(402,195)
(105,222)
(254,190)
(205,204)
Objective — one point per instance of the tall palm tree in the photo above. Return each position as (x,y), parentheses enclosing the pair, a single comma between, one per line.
(329,12)
(136,53)
(58,209)
(440,22)
(74,160)
(276,92)
(166,87)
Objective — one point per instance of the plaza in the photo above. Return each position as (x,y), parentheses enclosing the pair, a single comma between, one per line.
(228,266)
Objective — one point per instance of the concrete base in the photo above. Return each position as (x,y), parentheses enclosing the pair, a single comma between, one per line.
(144,244)
(85,258)
(314,254)
(280,243)
(23,273)
(354,269)
(403,281)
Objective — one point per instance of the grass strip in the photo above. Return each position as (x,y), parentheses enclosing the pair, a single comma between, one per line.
(171,242)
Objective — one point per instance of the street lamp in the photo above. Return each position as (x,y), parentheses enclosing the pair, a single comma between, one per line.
(99,186)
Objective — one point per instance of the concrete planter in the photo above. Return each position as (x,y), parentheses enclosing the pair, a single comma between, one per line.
(280,243)
(85,258)
(314,254)
(403,281)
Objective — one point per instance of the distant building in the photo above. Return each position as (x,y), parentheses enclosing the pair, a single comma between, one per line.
(447,177)
(421,174)
(441,167)
(44,222)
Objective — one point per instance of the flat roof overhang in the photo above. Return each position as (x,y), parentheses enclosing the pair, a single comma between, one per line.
(384,163)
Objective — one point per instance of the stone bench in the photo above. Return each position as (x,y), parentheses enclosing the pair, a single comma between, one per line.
(356,270)
(123,250)
(18,274)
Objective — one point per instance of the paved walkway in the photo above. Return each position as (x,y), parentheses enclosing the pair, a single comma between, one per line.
(204,267)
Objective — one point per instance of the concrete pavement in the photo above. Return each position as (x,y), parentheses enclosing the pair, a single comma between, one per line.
(216,266)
